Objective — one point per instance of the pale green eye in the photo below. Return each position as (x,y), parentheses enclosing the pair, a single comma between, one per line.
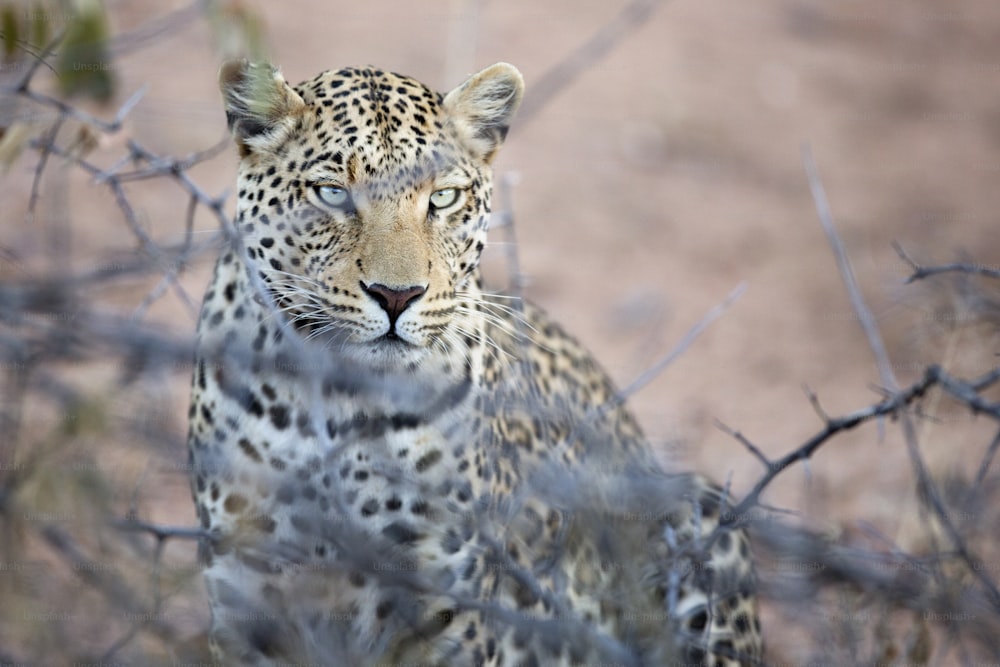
(335,196)
(444,198)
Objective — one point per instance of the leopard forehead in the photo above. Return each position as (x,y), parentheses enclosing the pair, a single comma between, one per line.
(374,107)
(366,128)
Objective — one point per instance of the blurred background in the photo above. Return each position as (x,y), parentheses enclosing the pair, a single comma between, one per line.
(656,166)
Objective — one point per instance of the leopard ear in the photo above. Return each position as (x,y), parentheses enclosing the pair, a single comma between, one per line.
(483,107)
(261,108)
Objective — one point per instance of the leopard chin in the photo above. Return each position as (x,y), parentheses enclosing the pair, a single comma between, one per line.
(386,357)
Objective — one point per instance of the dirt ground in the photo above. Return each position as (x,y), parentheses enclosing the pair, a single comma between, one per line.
(668,174)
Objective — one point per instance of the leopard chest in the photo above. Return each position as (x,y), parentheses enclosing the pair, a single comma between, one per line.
(287,465)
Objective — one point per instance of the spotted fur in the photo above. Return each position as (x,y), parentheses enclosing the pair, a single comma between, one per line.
(396,466)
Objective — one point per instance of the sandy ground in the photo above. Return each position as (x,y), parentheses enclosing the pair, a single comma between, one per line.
(666,175)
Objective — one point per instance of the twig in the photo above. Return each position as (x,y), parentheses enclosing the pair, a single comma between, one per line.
(162,533)
(814,402)
(865,315)
(37,61)
(43,160)
(505,221)
(921,272)
(752,448)
(564,72)
(516,279)
(686,341)
(111,127)
(146,34)
(988,457)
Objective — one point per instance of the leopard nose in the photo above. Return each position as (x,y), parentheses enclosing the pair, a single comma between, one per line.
(393,301)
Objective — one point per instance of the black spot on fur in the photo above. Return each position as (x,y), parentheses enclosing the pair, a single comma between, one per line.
(249,450)
(279,417)
(383,609)
(235,503)
(401,533)
(428,460)
(285,494)
(741,623)
(369,507)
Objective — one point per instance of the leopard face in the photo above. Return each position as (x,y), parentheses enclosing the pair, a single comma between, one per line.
(364,200)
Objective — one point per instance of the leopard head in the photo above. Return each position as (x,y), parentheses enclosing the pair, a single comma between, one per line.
(364,199)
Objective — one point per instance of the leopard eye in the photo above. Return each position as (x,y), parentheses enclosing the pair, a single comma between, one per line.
(335,196)
(444,198)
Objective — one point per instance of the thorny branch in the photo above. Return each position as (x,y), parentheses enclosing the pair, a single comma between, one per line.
(925,484)
(896,404)
(32,343)
(837,565)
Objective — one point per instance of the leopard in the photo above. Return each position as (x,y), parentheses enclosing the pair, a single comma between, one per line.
(392,464)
